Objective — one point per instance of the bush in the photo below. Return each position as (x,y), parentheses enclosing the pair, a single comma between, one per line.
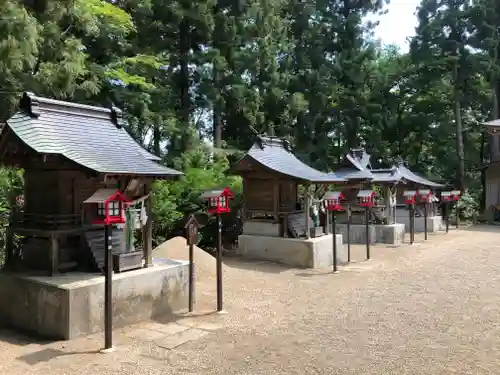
(468,206)
(175,200)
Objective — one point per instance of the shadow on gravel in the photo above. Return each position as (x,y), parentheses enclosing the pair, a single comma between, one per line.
(260,266)
(482,228)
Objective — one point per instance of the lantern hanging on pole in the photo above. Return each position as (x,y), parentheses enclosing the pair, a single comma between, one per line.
(410,197)
(455,196)
(366,199)
(218,203)
(446,198)
(110,206)
(426,198)
(332,204)
(217,200)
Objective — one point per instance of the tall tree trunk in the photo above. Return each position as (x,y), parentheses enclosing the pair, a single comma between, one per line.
(217,109)
(459,130)
(156,139)
(184,110)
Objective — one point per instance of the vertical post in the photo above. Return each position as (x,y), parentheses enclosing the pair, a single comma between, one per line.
(327,221)
(411,212)
(425,220)
(457,215)
(147,231)
(54,255)
(191,277)
(447,216)
(388,206)
(219,264)
(349,216)
(108,307)
(9,239)
(367,227)
(306,209)
(334,235)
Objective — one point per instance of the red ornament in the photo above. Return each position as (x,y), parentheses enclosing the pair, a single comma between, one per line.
(332,201)
(425,195)
(455,195)
(218,200)
(410,196)
(446,196)
(110,206)
(366,198)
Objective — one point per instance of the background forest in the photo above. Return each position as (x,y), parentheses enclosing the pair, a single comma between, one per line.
(194,77)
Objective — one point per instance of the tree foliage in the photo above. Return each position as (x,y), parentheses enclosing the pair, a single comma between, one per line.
(190,74)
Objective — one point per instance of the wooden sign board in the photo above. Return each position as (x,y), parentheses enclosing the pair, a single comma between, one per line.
(191,229)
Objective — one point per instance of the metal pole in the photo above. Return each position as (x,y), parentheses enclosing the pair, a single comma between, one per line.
(334,234)
(219,264)
(457,214)
(367,227)
(191,277)
(412,218)
(425,220)
(349,233)
(108,307)
(413,221)
(446,209)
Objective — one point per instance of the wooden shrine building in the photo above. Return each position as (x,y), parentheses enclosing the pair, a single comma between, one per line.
(491,209)
(356,168)
(68,153)
(271,177)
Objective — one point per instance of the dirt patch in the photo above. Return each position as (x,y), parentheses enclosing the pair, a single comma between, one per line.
(176,248)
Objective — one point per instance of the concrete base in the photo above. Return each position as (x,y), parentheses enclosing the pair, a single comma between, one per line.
(434,223)
(358,233)
(71,305)
(388,234)
(392,234)
(261,228)
(295,252)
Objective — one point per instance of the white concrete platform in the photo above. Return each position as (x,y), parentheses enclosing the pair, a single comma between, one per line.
(295,252)
(387,234)
(434,223)
(72,304)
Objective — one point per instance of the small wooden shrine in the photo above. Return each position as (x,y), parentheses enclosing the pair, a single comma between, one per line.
(72,154)
(271,176)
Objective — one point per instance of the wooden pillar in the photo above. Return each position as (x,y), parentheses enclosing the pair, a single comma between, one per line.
(148,230)
(389,209)
(54,255)
(243,203)
(327,220)
(307,206)
(276,199)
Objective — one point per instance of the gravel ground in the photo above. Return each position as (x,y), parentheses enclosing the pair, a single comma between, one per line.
(430,308)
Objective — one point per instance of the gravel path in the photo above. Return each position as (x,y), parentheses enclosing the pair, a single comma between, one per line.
(431,308)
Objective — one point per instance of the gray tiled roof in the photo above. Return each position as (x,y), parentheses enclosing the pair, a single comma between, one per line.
(494,123)
(413,177)
(354,166)
(401,172)
(90,136)
(273,153)
(354,174)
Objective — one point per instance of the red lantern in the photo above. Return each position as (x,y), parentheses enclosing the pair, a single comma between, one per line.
(110,205)
(425,195)
(366,198)
(218,200)
(446,196)
(410,196)
(332,200)
(455,195)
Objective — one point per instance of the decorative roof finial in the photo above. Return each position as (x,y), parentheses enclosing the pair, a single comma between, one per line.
(117,116)
(29,103)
